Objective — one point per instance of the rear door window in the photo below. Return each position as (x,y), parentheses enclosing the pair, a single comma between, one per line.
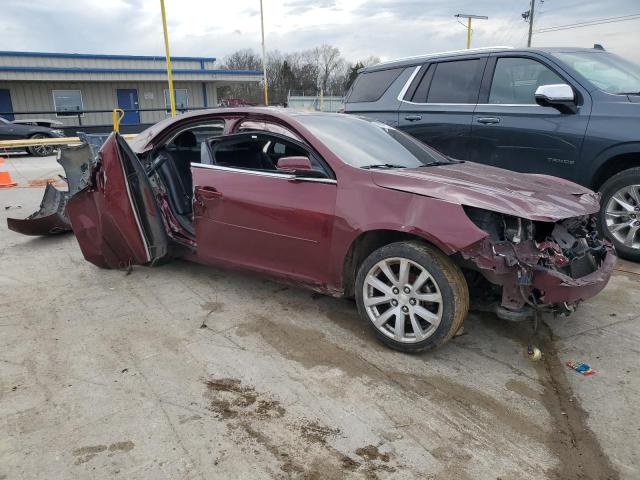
(453,82)
(515,80)
(370,86)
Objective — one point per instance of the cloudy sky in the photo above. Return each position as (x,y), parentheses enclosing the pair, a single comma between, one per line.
(386,28)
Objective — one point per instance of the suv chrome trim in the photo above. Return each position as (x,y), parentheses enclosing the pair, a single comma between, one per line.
(427,56)
(285,176)
(404,89)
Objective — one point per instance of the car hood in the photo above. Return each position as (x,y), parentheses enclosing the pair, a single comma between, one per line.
(535,197)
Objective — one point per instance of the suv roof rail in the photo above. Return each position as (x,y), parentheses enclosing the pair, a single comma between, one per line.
(439,54)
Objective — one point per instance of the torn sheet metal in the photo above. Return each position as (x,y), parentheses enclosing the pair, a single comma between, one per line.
(50,219)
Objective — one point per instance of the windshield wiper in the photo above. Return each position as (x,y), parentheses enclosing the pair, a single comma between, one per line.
(629,93)
(382,165)
(435,163)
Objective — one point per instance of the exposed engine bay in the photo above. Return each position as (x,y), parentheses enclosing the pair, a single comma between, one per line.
(545,259)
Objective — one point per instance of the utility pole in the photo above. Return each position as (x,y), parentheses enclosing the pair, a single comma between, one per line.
(172,94)
(264,61)
(528,17)
(469,17)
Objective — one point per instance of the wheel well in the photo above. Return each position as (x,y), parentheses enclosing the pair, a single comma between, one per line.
(362,247)
(615,165)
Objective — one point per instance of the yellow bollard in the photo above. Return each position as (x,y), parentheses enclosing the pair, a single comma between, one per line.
(118,115)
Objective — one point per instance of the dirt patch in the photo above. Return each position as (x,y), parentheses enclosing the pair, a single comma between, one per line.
(122,446)
(315,432)
(371,452)
(85,454)
(229,398)
(43,182)
(212,307)
(300,446)
(374,461)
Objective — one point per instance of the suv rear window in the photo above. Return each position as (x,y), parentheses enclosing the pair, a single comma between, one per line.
(370,86)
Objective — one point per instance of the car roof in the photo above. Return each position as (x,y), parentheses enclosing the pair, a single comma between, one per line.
(143,141)
(418,59)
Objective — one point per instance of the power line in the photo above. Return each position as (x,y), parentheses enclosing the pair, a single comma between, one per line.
(622,18)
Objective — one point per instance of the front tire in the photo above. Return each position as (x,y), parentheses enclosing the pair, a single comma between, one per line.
(40,150)
(620,212)
(412,296)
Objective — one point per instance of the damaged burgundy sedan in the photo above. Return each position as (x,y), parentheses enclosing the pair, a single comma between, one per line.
(342,205)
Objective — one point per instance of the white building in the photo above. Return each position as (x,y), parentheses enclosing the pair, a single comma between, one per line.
(70,85)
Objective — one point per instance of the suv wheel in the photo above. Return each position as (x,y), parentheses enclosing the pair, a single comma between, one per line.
(412,296)
(40,150)
(620,212)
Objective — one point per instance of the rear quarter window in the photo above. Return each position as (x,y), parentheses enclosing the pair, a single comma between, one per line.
(370,86)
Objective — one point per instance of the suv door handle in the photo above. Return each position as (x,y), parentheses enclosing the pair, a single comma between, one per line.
(488,120)
(413,118)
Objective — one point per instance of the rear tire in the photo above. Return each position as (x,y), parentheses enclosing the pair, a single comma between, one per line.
(40,150)
(620,213)
(411,295)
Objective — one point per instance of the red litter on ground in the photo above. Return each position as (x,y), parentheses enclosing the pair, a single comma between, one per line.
(582,368)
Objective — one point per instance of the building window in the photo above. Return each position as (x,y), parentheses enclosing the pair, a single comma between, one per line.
(67,102)
(181,95)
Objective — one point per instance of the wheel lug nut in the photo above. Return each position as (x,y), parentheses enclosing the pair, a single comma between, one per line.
(412,301)
(407,290)
(394,303)
(636,223)
(395,291)
(405,309)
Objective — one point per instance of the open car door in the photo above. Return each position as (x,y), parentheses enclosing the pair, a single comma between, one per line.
(112,208)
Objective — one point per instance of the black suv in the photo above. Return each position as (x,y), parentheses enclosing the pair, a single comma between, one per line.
(569,112)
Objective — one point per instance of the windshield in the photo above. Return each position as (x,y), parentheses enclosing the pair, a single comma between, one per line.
(365,143)
(607,71)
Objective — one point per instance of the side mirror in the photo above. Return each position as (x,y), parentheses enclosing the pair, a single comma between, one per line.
(559,96)
(294,163)
(299,166)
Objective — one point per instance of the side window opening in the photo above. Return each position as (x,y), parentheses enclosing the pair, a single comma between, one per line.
(258,152)
(516,79)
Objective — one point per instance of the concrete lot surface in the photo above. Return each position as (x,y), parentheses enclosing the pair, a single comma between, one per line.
(183,371)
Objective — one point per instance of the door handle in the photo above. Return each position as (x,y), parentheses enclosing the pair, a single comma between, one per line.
(413,118)
(488,120)
(210,193)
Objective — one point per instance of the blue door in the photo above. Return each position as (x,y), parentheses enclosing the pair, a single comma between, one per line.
(6,108)
(128,100)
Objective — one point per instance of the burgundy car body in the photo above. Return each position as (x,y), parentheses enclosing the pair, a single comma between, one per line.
(313,230)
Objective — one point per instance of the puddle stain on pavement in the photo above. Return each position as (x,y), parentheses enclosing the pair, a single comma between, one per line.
(573,444)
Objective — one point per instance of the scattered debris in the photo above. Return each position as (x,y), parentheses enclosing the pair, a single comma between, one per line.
(534,353)
(124,370)
(581,367)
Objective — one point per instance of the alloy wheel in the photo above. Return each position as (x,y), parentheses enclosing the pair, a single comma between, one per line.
(41,150)
(402,300)
(622,216)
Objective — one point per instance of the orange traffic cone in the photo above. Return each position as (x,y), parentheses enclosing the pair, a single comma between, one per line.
(6,181)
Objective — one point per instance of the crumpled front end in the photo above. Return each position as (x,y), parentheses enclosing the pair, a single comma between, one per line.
(532,265)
